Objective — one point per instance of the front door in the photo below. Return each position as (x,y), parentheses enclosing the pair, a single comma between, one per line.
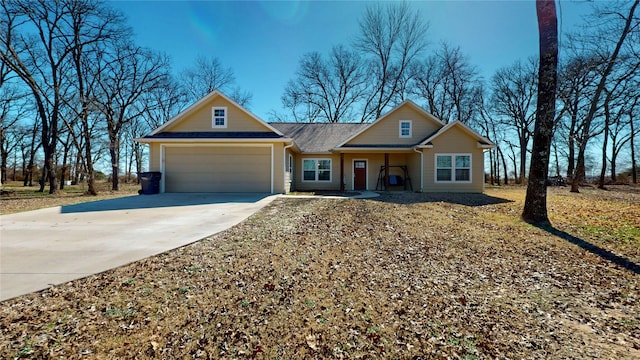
(360,175)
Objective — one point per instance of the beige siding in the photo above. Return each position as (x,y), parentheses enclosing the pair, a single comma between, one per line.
(217,169)
(154,157)
(289,178)
(278,168)
(386,131)
(201,119)
(454,141)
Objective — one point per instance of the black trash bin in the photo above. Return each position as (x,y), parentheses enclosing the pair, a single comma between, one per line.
(150,182)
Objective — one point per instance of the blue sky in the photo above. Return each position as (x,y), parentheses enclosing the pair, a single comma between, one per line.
(263,41)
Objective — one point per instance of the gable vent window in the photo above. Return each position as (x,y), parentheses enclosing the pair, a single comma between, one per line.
(405,128)
(219,117)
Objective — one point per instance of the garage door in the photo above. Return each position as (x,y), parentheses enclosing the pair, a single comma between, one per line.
(217,169)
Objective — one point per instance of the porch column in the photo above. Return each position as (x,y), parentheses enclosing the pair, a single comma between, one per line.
(386,171)
(341,171)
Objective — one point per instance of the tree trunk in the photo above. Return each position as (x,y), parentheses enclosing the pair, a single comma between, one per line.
(504,167)
(138,159)
(115,160)
(43,177)
(491,168)
(516,177)
(555,150)
(64,167)
(603,169)
(614,158)
(3,166)
(571,158)
(634,171)
(91,179)
(496,167)
(523,157)
(535,205)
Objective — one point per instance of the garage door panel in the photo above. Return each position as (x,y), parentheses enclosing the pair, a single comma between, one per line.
(218,169)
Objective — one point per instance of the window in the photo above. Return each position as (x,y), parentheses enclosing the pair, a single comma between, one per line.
(290,163)
(316,170)
(219,117)
(453,168)
(405,128)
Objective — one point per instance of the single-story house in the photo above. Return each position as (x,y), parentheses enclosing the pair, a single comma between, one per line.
(216,145)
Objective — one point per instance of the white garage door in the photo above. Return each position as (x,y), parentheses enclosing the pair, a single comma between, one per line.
(217,169)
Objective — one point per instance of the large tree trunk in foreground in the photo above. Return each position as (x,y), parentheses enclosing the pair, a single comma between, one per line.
(535,206)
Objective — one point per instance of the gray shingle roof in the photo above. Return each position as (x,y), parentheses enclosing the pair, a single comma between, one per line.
(318,137)
(216,135)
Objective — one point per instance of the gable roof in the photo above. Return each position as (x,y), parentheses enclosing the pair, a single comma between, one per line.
(404,103)
(318,137)
(483,142)
(182,115)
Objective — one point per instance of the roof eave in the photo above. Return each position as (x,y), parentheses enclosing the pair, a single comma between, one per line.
(486,146)
(212,140)
(370,149)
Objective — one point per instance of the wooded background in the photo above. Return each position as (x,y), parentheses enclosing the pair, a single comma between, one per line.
(75,90)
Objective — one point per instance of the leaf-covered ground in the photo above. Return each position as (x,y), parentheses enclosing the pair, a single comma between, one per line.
(17,198)
(400,276)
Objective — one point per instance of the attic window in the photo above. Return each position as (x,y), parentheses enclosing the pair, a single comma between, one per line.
(405,129)
(219,119)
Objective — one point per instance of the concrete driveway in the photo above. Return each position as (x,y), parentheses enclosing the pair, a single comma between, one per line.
(55,245)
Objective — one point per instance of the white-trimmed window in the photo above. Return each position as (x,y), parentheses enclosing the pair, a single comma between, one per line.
(316,170)
(453,167)
(219,117)
(290,163)
(404,130)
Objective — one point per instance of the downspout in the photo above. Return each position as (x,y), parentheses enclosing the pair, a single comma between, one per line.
(284,166)
(421,168)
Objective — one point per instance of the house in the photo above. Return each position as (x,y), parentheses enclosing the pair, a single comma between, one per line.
(216,145)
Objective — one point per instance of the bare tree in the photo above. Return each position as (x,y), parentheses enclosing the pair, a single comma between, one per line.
(208,74)
(329,87)
(448,83)
(129,72)
(492,130)
(43,42)
(39,61)
(535,205)
(28,149)
(92,26)
(391,38)
(514,102)
(619,23)
(158,105)
(576,82)
(619,103)
(12,109)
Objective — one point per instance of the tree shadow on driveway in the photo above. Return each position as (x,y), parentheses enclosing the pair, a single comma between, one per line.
(467,199)
(161,201)
(592,248)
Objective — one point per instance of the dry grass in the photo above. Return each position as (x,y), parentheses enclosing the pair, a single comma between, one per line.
(401,276)
(20,198)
